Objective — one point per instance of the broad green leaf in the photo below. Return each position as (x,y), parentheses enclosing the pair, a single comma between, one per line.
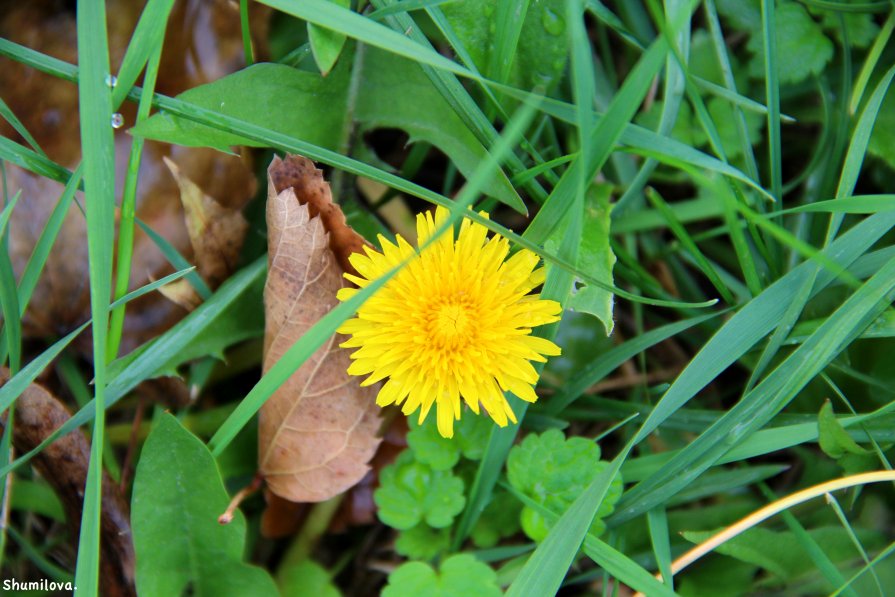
(393,92)
(834,440)
(745,15)
(541,55)
(459,576)
(410,492)
(326,45)
(859,26)
(307,577)
(179,544)
(802,48)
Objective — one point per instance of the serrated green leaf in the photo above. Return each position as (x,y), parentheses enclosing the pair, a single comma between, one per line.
(326,45)
(410,492)
(554,471)
(859,26)
(595,257)
(422,542)
(178,496)
(833,438)
(459,576)
(802,48)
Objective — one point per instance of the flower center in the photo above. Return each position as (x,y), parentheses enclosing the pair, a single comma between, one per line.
(452,324)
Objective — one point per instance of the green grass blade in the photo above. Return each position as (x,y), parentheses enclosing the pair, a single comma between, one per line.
(509,17)
(758,406)
(657,521)
(772,96)
(128,210)
(97,148)
(9,116)
(176,259)
(873,56)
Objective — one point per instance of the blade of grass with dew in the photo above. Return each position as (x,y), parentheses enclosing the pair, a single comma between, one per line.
(147,39)
(150,361)
(9,116)
(128,210)
(759,406)
(321,331)
(285,143)
(97,148)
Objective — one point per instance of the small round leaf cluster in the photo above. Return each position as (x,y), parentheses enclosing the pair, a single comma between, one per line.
(553,471)
(411,492)
(459,576)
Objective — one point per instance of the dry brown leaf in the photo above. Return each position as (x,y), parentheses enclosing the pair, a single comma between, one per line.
(301,174)
(64,465)
(317,433)
(216,232)
(181,292)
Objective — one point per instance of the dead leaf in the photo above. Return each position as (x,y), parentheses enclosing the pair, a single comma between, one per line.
(317,433)
(301,174)
(64,465)
(216,232)
(181,292)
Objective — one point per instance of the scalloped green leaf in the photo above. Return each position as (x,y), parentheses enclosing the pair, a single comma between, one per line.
(834,440)
(802,48)
(441,453)
(179,544)
(411,492)
(326,45)
(422,542)
(553,471)
(459,576)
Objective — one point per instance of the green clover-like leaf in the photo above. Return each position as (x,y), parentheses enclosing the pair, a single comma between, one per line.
(500,519)
(411,492)
(422,542)
(460,576)
(441,453)
(553,471)
(802,47)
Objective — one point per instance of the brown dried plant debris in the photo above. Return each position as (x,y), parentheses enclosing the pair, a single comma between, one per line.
(64,466)
(210,47)
(318,432)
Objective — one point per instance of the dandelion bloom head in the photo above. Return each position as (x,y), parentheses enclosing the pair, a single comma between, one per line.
(454,324)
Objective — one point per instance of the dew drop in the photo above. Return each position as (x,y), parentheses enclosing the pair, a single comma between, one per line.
(111,80)
(117,120)
(553,23)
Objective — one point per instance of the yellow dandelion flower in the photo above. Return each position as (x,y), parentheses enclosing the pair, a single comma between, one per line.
(454,323)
